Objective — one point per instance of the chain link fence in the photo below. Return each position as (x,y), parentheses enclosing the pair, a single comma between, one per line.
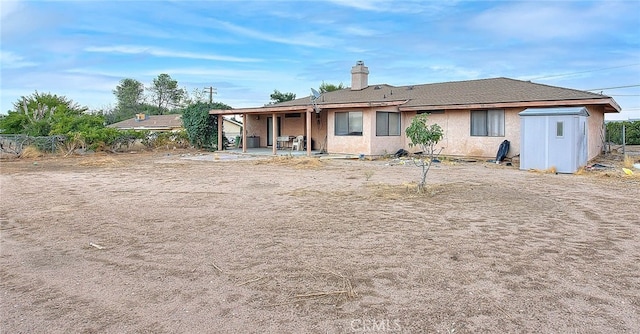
(622,137)
(15,144)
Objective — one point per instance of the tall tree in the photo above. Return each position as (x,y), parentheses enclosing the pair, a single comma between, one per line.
(36,114)
(327,87)
(130,96)
(201,127)
(278,97)
(165,93)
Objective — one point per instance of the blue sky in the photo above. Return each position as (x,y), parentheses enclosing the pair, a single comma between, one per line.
(246,49)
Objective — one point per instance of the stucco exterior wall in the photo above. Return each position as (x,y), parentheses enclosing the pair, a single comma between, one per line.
(319,131)
(257,126)
(457,139)
(350,144)
(293,126)
(595,130)
(382,145)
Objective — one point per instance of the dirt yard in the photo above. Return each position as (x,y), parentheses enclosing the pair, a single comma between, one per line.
(213,243)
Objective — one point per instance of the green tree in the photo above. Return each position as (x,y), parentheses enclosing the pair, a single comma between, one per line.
(165,93)
(631,130)
(130,97)
(278,97)
(425,137)
(36,114)
(201,127)
(327,87)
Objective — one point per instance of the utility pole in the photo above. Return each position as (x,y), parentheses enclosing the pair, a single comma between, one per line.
(212,90)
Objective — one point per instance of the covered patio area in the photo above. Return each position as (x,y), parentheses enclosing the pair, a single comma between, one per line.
(290,130)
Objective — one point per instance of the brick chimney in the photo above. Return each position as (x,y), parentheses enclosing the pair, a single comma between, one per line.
(359,76)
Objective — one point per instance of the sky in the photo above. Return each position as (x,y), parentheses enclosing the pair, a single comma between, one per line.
(248,49)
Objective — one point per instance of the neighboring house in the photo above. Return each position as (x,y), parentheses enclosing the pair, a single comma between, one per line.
(172,122)
(476,115)
(232,129)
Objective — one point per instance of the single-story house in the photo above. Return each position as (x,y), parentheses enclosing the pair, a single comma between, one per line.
(232,128)
(172,122)
(476,116)
(159,123)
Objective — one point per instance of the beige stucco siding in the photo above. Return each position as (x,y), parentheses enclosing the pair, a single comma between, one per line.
(350,144)
(383,145)
(319,131)
(595,130)
(457,140)
(293,126)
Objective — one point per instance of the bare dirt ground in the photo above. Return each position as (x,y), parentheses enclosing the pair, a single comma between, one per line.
(175,243)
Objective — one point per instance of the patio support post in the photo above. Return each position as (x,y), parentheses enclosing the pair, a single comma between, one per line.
(274,133)
(220,148)
(244,133)
(309,112)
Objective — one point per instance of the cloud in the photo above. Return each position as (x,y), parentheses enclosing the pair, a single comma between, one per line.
(159,52)
(390,6)
(546,20)
(354,30)
(10,60)
(305,39)
(9,8)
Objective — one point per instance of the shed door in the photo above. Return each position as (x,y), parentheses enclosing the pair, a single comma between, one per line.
(560,150)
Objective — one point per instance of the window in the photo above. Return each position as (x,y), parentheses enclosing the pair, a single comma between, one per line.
(387,123)
(349,123)
(432,112)
(560,129)
(488,123)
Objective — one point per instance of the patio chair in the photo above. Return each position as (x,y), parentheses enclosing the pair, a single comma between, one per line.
(298,143)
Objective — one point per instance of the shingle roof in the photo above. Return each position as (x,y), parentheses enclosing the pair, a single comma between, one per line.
(483,91)
(157,122)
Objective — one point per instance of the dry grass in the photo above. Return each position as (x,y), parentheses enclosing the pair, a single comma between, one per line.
(296,162)
(628,162)
(31,152)
(550,170)
(404,190)
(101,162)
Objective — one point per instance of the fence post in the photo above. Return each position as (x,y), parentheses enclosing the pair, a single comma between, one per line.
(624,140)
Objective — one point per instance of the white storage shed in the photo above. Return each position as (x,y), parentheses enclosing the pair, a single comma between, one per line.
(553,137)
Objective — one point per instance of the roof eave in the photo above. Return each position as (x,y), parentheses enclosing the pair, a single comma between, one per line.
(610,105)
(304,108)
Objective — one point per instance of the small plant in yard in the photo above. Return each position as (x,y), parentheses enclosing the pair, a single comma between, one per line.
(368,174)
(426,137)
(628,161)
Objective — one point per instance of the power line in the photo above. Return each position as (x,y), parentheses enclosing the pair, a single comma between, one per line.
(629,86)
(589,71)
